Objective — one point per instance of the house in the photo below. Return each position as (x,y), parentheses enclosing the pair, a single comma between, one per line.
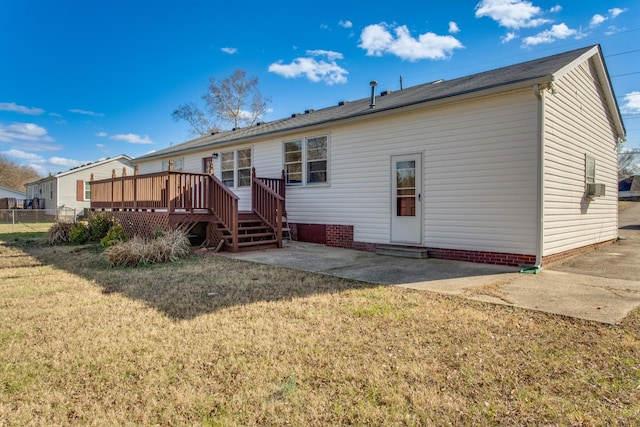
(10,198)
(71,189)
(6,192)
(629,188)
(514,166)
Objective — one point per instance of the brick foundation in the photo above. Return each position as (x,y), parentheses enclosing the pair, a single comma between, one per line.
(562,256)
(341,236)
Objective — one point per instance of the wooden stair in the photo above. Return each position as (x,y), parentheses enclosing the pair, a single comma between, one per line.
(253,233)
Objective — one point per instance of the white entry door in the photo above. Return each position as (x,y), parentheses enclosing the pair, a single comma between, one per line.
(406,199)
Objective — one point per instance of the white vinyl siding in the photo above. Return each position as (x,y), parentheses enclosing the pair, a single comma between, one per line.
(578,127)
(479,175)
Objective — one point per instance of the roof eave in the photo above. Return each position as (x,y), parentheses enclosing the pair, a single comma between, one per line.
(364,115)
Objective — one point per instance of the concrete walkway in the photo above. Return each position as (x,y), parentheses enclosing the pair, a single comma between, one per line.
(602,286)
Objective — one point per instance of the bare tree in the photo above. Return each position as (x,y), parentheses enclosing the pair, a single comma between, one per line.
(200,124)
(235,100)
(628,163)
(13,175)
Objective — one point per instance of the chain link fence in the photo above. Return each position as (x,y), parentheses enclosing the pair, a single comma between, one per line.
(21,216)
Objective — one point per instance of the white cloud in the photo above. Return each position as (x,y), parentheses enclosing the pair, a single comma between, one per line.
(596,20)
(631,103)
(508,37)
(453,28)
(86,113)
(557,32)
(69,163)
(23,155)
(555,9)
(613,29)
(377,40)
(616,11)
(345,24)
(101,146)
(511,13)
(102,134)
(316,70)
(132,138)
(229,50)
(324,26)
(331,55)
(21,132)
(12,106)
(56,115)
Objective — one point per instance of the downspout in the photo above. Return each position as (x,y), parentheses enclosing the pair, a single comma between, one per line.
(538,92)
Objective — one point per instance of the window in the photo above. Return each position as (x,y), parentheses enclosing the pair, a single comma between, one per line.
(227,169)
(236,168)
(87,190)
(178,164)
(590,169)
(305,161)
(244,167)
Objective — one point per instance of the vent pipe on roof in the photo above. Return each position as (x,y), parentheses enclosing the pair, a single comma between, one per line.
(373,85)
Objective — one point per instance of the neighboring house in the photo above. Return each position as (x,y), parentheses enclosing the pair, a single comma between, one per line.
(629,188)
(511,166)
(6,192)
(71,189)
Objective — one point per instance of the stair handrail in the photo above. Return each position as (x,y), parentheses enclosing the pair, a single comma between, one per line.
(223,203)
(267,204)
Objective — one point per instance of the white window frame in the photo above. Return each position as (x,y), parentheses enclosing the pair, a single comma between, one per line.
(305,161)
(589,169)
(87,189)
(237,170)
(178,164)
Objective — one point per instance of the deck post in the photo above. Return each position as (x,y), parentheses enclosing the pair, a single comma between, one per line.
(254,202)
(169,188)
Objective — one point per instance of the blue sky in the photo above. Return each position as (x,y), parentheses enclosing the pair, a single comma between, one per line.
(85,80)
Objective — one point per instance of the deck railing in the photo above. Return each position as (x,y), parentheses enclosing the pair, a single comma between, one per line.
(224,204)
(170,190)
(267,204)
(277,185)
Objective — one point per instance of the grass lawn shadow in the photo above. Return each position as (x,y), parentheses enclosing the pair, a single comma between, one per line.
(200,284)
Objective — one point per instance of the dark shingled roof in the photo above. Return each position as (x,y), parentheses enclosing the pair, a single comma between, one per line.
(538,69)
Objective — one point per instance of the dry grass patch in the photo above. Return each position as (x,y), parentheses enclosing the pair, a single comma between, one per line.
(215,341)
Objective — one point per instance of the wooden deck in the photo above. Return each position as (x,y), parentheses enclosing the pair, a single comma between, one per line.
(195,202)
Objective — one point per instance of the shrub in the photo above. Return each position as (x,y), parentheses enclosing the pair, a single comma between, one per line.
(79,233)
(168,247)
(99,225)
(114,236)
(59,233)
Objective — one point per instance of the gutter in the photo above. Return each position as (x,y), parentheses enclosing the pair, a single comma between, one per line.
(538,92)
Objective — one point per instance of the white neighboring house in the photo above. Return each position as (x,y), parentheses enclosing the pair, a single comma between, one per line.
(6,192)
(509,166)
(71,189)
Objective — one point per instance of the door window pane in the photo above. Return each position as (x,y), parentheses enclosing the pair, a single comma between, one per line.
(406,188)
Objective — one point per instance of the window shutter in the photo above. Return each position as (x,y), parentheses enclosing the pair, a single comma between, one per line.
(80,190)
